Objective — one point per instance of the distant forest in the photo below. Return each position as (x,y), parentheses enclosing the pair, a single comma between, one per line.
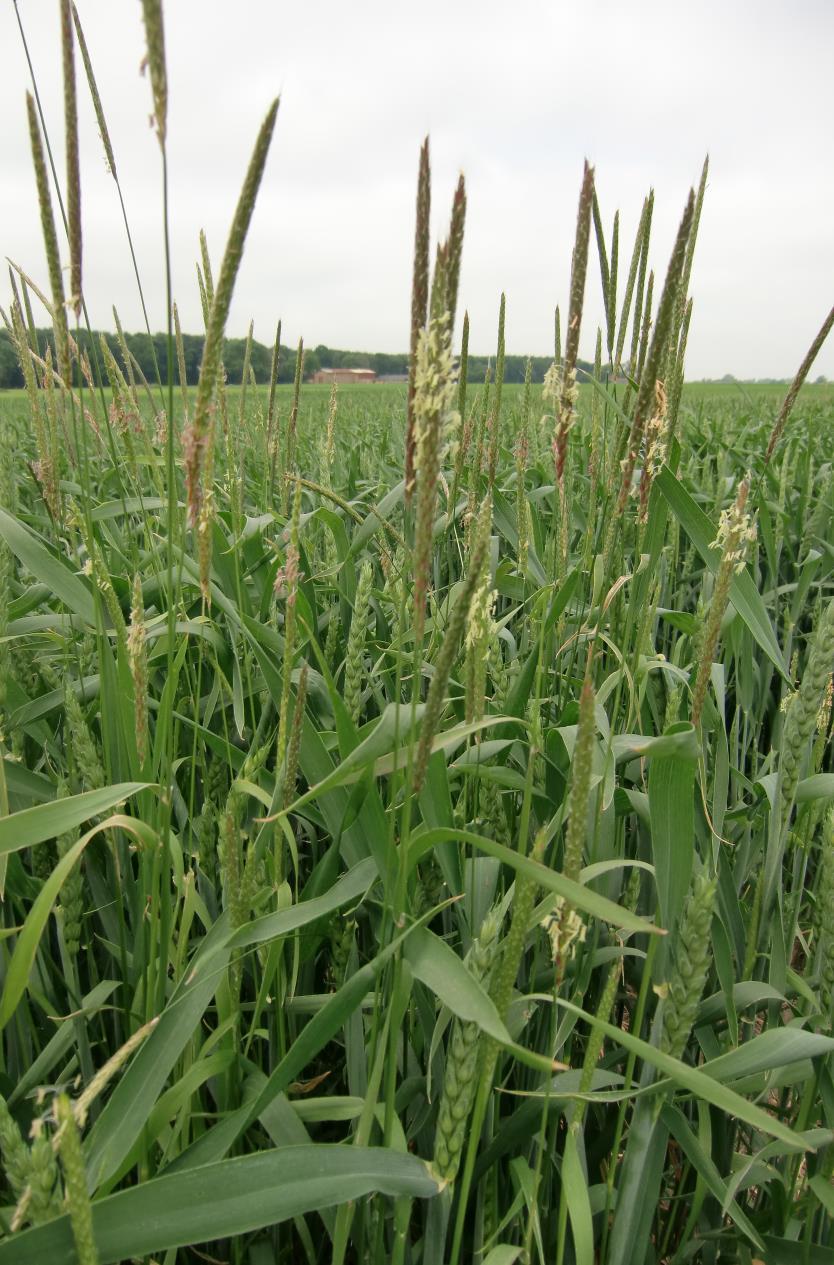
(142,348)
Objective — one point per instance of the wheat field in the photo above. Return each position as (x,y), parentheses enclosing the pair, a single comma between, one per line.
(416,840)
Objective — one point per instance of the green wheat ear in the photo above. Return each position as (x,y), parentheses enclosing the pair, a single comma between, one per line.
(287,581)
(155,38)
(138,659)
(494,424)
(50,237)
(75,1182)
(581,769)
(104,131)
(690,966)
(294,746)
(460,1077)
(825,919)
(419,301)
(734,535)
(803,710)
(198,438)
(73,173)
(793,390)
(354,658)
(449,648)
(13,1151)
(522,458)
(71,900)
(456,228)
(655,354)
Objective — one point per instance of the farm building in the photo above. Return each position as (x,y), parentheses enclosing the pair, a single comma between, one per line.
(343,376)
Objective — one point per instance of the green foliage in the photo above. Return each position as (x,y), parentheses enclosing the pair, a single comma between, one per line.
(377,884)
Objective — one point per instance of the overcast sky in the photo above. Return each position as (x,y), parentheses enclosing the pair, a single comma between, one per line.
(514,95)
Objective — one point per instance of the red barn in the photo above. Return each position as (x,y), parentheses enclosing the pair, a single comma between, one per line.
(344,376)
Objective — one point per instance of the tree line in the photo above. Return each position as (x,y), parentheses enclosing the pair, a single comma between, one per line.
(150,352)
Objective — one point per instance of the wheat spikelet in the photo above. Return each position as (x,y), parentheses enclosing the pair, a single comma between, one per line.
(68,1144)
(595,1038)
(84,750)
(73,172)
(155,60)
(435,421)
(231,855)
(793,390)
(44,1180)
(8,498)
(522,458)
(291,436)
(494,424)
(138,659)
(479,631)
(460,1076)
(287,581)
(463,365)
(294,746)
(45,430)
(419,301)
(677,378)
(94,93)
(803,711)
(560,385)
(462,449)
(14,1151)
(448,651)
(105,1074)
(657,443)
(181,371)
(354,656)
(456,227)
(656,350)
(637,258)
(690,967)
(734,534)
(53,258)
(611,295)
(273,384)
(581,769)
(199,437)
(71,900)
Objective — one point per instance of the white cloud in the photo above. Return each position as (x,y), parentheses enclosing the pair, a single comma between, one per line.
(515,97)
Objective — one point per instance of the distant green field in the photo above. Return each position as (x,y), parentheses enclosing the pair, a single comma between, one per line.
(763,398)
